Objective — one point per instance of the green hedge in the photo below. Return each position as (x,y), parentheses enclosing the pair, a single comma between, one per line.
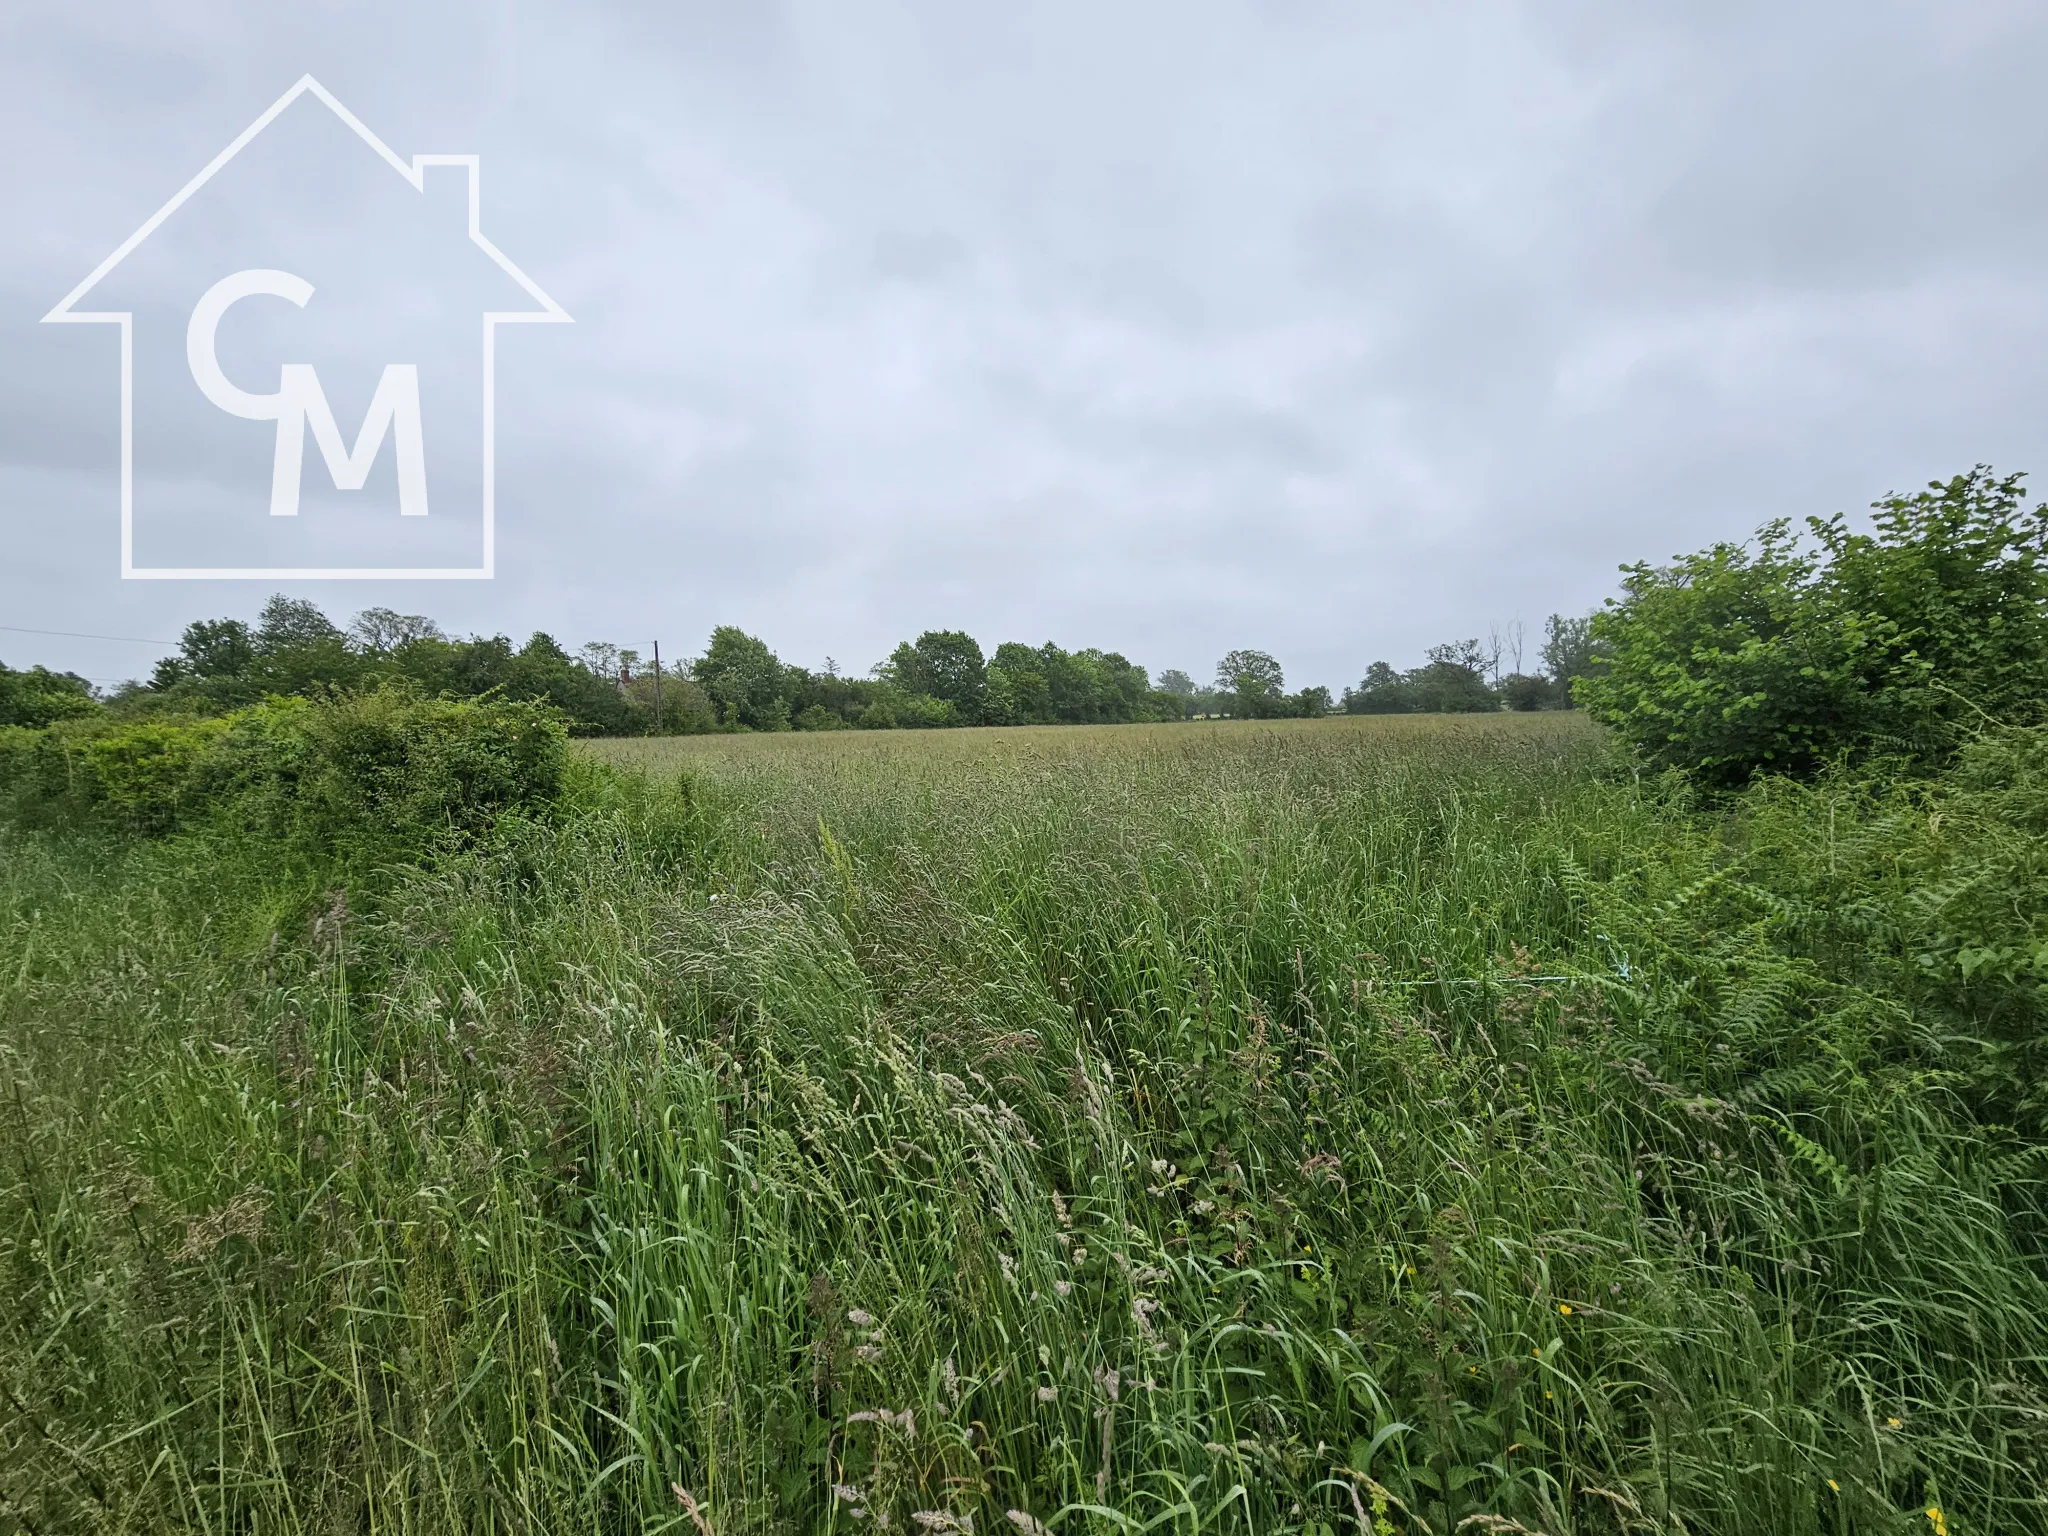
(386,767)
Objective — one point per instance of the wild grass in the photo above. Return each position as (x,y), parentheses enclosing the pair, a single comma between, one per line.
(1381,1126)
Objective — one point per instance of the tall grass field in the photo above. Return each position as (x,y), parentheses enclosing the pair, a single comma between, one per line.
(1366,1125)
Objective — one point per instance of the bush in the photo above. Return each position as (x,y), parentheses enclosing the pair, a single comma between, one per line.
(1526,692)
(146,776)
(1780,657)
(389,765)
(41,697)
(383,767)
(816,717)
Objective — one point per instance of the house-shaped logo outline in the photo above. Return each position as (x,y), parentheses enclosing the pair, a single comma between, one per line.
(550,313)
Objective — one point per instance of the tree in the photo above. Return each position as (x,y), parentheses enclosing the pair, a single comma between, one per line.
(1450,682)
(299,649)
(542,670)
(944,664)
(1781,655)
(209,649)
(1382,691)
(1505,642)
(743,678)
(1254,682)
(816,717)
(1173,680)
(1524,691)
(1453,681)
(293,623)
(1570,651)
(383,630)
(600,658)
(40,697)
(1311,703)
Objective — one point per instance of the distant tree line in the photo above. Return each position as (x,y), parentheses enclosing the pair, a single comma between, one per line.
(1465,676)
(942,678)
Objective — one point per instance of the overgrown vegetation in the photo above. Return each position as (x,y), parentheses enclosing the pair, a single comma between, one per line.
(1434,1125)
(1784,656)
(39,696)
(388,767)
(1235,1128)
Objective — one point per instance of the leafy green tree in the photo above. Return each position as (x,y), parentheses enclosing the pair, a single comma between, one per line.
(218,648)
(1019,672)
(999,699)
(685,708)
(1453,681)
(216,663)
(379,631)
(543,671)
(943,664)
(467,668)
(1779,656)
(294,623)
(39,697)
(1122,689)
(744,679)
(917,711)
(1254,682)
(1450,682)
(299,649)
(814,696)
(1526,691)
(1173,680)
(1311,703)
(1382,691)
(1570,651)
(1074,686)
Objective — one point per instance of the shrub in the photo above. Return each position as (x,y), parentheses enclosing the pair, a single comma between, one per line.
(816,717)
(1525,692)
(40,697)
(145,776)
(384,767)
(391,764)
(1449,683)
(1779,656)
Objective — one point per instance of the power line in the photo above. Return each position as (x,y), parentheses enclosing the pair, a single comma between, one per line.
(72,634)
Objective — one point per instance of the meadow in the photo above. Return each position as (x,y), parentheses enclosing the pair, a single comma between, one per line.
(1385,1125)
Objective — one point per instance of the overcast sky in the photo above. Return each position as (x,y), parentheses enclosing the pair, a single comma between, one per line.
(1330,329)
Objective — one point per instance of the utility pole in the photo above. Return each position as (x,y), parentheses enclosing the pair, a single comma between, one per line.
(657,689)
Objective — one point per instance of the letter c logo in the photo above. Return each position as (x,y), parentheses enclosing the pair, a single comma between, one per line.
(199,339)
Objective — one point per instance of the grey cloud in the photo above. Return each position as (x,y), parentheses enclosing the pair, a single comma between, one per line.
(1333,329)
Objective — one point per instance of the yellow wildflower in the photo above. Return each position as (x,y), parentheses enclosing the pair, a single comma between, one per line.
(1565,1307)
(1934,1518)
